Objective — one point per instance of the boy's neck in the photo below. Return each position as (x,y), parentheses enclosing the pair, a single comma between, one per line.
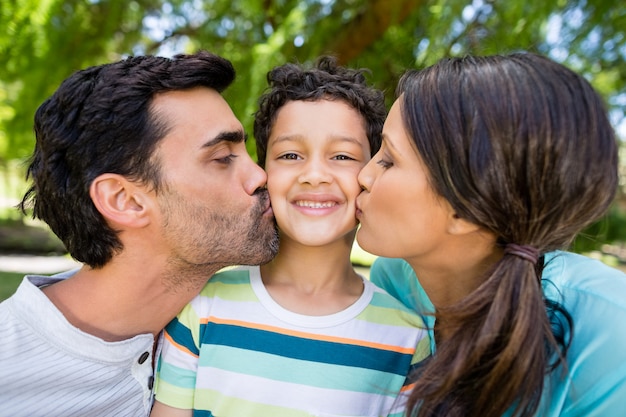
(313,280)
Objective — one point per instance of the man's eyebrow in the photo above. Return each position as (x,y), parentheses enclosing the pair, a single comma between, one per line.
(234,136)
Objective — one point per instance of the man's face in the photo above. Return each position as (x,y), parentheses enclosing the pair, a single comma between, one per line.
(214,211)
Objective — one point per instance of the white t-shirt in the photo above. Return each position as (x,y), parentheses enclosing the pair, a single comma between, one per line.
(50,368)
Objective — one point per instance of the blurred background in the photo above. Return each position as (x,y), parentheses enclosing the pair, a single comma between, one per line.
(43,41)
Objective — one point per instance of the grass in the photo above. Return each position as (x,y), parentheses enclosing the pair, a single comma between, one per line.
(9,281)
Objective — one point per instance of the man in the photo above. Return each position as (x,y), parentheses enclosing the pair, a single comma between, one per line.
(140,168)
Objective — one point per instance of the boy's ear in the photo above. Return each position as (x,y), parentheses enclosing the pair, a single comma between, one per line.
(120,201)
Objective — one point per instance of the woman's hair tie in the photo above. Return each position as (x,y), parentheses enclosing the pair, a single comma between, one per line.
(526,252)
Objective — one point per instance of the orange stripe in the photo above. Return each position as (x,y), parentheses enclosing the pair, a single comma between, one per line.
(407,387)
(178,346)
(305,335)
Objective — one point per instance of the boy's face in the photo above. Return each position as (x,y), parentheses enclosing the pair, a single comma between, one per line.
(314,154)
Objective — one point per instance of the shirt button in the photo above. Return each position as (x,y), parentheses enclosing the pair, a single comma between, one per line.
(150,383)
(143,357)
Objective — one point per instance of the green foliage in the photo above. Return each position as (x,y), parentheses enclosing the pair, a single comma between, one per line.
(610,229)
(44,41)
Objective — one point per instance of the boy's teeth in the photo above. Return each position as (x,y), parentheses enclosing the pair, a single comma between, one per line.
(315,204)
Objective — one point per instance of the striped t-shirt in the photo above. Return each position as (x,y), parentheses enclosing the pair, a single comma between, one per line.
(234,352)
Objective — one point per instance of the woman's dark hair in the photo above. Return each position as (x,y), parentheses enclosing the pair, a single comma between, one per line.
(522,147)
(100,121)
(325,81)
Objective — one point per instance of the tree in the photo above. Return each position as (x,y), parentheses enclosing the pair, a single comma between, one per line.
(43,41)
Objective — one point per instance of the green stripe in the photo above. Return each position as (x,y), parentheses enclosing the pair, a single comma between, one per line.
(295,371)
(230,285)
(214,401)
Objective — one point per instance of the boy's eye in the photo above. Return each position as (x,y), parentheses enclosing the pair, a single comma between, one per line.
(344,158)
(291,156)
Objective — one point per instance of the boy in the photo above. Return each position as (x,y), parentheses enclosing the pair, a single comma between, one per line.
(303,335)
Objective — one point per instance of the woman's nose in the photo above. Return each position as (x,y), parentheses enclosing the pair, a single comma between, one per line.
(366,177)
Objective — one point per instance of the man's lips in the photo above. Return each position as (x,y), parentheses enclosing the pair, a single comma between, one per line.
(265,203)
(268,208)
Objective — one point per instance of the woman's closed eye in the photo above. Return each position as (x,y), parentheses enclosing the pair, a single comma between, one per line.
(385,164)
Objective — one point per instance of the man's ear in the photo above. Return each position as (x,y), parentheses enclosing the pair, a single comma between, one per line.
(120,201)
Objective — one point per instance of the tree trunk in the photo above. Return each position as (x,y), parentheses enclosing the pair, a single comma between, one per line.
(370,25)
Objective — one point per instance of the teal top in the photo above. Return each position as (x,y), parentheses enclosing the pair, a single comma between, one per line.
(594,294)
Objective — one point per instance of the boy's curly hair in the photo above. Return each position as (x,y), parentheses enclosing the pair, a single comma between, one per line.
(325,81)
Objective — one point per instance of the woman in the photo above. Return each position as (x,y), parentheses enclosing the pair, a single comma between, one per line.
(489,167)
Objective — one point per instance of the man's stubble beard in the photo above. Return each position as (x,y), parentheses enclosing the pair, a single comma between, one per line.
(199,250)
(223,238)
(262,239)
(267,233)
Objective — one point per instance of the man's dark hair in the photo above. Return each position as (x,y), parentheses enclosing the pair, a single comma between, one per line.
(100,121)
(325,81)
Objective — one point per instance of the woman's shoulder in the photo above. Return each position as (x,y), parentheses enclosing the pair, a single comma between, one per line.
(395,270)
(582,279)
(398,278)
(594,296)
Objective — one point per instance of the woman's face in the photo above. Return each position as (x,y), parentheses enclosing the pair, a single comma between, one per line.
(400,214)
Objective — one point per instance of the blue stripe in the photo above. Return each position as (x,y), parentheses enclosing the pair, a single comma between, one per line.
(181,335)
(305,349)
(416,370)
(202,413)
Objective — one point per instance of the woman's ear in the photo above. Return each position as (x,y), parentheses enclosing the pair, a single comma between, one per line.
(460,226)
(120,201)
